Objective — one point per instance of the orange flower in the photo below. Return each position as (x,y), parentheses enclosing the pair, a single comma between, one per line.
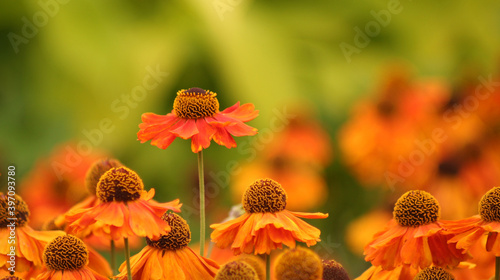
(66,257)
(468,231)
(483,263)
(196,116)
(56,183)
(266,225)
(29,243)
(169,257)
(124,208)
(415,236)
(403,272)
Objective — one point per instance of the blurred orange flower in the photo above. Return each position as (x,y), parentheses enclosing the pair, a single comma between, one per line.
(124,208)
(414,236)
(383,139)
(56,183)
(266,224)
(196,116)
(169,256)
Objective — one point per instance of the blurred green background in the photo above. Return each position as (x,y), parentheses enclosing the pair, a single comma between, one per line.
(66,66)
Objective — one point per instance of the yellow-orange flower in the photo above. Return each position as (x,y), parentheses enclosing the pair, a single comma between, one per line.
(29,243)
(66,257)
(415,236)
(196,116)
(468,231)
(266,225)
(124,209)
(403,272)
(169,257)
(56,183)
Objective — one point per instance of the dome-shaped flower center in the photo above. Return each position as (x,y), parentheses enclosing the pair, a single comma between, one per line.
(13,209)
(264,196)
(119,184)
(434,273)
(97,170)
(299,263)
(333,270)
(65,252)
(195,103)
(257,264)
(489,206)
(416,208)
(236,270)
(178,237)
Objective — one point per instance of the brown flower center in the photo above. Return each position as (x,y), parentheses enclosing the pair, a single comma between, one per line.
(489,206)
(264,196)
(195,103)
(333,270)
(65,252)
(119,184)
(416,208)
(13,209)
(178,237)
(97,170)
(236,270)
(434,273)
(11,277)
(299,263)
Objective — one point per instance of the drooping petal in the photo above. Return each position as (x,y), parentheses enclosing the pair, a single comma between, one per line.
(187,129)
(244,113)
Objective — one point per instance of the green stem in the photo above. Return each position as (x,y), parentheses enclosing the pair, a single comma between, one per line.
(113,257)
(202,202)
(127,259)
(268,267)
(497,268)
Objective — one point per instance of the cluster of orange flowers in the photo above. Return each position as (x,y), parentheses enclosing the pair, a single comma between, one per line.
(427,134)
(118,210)
(417,240)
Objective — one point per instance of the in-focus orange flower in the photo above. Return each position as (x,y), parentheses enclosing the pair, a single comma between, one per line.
(467,232)
(415,236)
(266,225)
(29,243)
(124,208)
(293,176)
(196,116)
(66,257)
(169,256)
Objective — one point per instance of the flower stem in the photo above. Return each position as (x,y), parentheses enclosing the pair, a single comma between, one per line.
(268,267)
(202,202)
(497,268)
(113,257)
(127,258)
